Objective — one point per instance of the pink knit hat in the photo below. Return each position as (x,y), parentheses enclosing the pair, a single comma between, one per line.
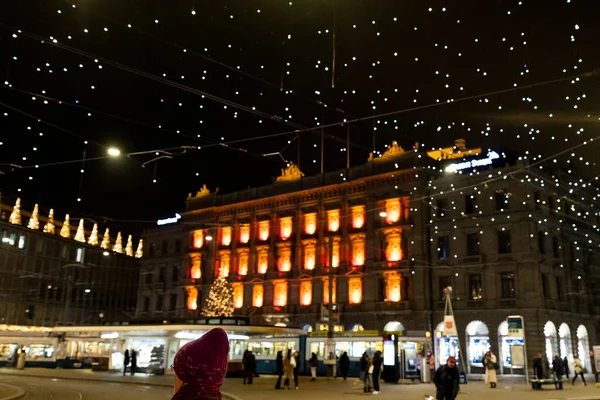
(202,363)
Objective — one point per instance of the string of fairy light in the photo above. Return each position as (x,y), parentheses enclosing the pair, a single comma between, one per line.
(369,71)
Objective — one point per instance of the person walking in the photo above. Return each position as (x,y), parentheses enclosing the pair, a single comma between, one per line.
(538,369)
(295,371)
(557,368)
(578,369)
(133,362)
(364,365)
(377,361)
(126,361)
(446,380)
(279,366)
(249,367)
(313,363)
(565,364)
(289,363)
(200,367)
(368,382)
(344,365)
(491,365)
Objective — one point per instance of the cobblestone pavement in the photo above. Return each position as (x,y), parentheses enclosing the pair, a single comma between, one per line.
(160,387)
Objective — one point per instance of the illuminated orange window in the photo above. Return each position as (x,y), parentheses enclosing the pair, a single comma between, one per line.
(263,259)
(358,249)
(392,288)
(310,223)
(354,290)
(285,226)
(238,295)
(333,220)
(225,257)
(326,290)
(358,216)
(192,297)
(280,289)
(393,251)
(284,257)
(392,208)
(310,254)
(243,262)
(244,233)
(263,230)
(305,293)
(198,239)
(257,295)
(226,235)
(336,253)
(195,270)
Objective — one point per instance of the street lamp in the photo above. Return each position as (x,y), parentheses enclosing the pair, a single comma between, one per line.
(383,214)
(114,152)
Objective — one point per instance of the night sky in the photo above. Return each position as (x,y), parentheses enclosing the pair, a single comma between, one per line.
(222,76)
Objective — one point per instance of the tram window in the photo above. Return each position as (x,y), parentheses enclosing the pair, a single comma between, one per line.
(341,347)
(7,350)
(40,351)
(318,348)
(270,348)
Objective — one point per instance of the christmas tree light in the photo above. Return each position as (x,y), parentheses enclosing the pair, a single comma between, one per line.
(34,222)
(140,249)
(65,230)
(219,302)
(106,240)
(15,215)
(118,248)
(129,246)
(80,234)
(93,239)
(49,227)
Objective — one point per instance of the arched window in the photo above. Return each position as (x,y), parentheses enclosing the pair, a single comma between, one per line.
(357,328)
(307,328)
(393,326)
(445,346)
(551,341)
(478,342)
(583,346)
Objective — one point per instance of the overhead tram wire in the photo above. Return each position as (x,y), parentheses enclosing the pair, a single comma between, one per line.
(222,64)
(251,110)
(592,73)
(125,119)
(52,125)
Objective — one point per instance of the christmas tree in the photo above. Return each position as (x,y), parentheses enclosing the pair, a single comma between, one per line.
(15,216)
(129,246)
(65,231)
(49,227)
(93,239)
(80,235)
(140,249)
(106,240)
(220,299)
(118,248)
(34,222)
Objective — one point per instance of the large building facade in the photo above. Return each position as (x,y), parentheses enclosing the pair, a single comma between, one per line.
(52,275)
(393,236)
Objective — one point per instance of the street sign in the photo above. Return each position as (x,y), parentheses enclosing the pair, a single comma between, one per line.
(450,326)
(515,326)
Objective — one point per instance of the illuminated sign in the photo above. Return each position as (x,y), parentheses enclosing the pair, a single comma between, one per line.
(167,221)
(492,155)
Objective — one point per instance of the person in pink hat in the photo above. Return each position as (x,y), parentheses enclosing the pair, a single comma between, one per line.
(200,367)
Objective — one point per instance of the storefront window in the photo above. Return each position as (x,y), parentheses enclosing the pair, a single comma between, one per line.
(478,342)
(149,350)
